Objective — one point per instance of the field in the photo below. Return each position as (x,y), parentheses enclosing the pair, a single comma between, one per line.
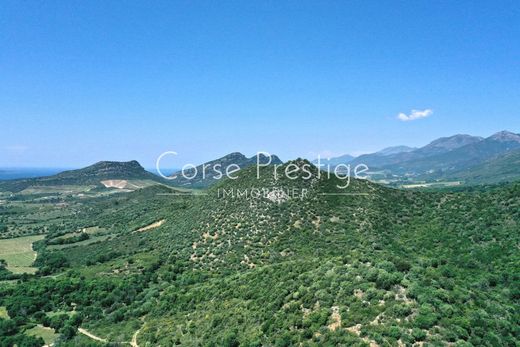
(18,253)
(65,189)
(93,239)
(431,185)
(47,334)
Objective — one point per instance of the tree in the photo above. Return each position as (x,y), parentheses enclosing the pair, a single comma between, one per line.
(68,331)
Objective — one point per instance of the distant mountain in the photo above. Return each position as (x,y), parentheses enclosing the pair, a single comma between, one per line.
(454,158)
(378,160)
(446,144)
(506,137)
(375,160)
(90,175)
(333,162)
(395,150)
(203,178)
(402,159)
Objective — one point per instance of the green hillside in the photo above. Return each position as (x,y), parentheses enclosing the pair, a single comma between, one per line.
(301,264)
(504,168)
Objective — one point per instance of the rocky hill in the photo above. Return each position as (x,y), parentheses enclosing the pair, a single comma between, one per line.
(90,175)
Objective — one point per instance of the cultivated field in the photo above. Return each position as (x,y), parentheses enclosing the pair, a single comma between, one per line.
(18,253)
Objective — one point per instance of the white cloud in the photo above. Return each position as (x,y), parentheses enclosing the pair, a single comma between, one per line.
(415,114)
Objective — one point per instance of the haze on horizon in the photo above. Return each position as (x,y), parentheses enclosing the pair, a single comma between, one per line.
(83,82)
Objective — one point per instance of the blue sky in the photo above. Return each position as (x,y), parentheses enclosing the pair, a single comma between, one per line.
(83,81)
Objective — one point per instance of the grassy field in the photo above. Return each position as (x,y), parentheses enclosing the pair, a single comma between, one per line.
(18,253)
(64,189)
(47,334)
(80,243)
(431,185)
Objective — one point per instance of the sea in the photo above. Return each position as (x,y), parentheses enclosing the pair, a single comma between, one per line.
(11,173)
(17,173)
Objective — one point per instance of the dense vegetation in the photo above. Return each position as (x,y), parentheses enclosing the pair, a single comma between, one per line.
(376,267)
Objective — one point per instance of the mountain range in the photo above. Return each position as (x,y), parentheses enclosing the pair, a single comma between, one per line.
(465,159)
(445,158)
(131,175)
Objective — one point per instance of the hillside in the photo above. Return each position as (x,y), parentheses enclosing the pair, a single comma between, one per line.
(91,175)
(367,265)
(209,173)
(503,168)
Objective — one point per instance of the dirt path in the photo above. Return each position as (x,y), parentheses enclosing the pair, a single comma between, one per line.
(151,226)
(94,337)
(336,319)
(133,343)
